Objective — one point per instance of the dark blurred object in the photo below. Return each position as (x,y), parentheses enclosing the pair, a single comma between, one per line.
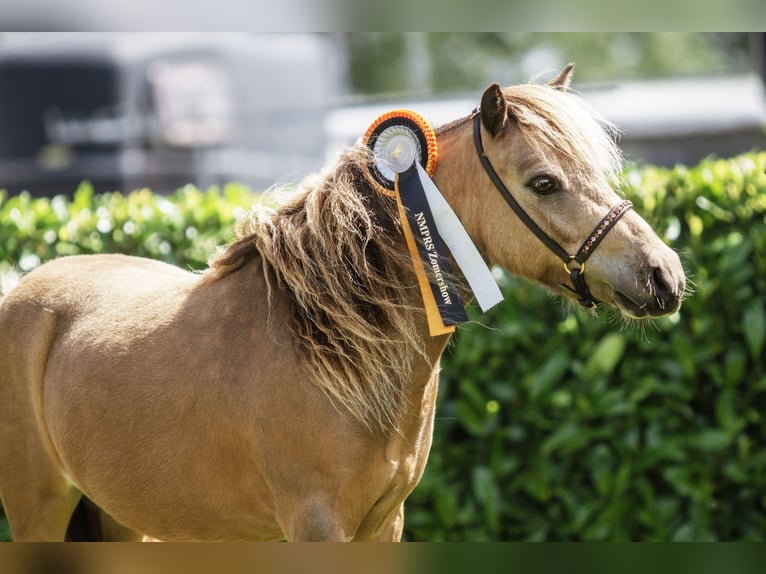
(162,110)
(757,42)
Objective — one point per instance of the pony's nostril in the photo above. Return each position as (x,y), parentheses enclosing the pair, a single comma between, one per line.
(659,285)
(667,295)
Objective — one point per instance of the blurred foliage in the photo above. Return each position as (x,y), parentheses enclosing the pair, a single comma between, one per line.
(182,229)
(461,61)
(554,426)
(550,425)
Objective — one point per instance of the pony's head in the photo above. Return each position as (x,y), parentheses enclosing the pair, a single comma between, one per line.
(559,163)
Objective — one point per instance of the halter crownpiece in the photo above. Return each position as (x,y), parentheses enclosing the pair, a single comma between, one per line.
(574,264)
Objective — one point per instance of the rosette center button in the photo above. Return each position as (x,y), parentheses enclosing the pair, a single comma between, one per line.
(399,152)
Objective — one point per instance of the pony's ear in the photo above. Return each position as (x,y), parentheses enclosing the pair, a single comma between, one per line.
(561,82)
(494,109)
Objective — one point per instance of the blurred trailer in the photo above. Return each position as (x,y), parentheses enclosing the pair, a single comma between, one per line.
(126,111)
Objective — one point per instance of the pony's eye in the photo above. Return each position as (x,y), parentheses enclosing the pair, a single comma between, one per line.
(544,184)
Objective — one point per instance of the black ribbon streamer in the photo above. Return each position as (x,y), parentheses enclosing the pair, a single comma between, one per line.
(433,254)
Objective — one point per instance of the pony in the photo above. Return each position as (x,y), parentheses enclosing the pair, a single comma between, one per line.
(288,391)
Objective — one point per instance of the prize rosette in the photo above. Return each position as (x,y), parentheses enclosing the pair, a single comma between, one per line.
(396,140)
(403,153)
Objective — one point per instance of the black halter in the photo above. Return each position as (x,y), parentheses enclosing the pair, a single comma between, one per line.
(574,264)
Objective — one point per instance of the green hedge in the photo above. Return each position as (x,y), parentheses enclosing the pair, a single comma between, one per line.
(182,229)
(550,425)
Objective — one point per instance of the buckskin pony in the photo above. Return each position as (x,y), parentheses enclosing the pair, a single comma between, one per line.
(288,391)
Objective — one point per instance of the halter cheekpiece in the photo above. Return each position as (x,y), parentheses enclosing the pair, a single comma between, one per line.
(574,264)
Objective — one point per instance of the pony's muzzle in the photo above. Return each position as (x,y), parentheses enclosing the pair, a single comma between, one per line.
(661,294)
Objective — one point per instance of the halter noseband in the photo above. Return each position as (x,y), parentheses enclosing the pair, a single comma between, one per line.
(574,264)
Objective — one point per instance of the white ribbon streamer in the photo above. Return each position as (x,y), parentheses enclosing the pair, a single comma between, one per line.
(461,246)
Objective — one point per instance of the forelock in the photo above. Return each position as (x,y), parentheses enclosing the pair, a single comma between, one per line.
(563,124)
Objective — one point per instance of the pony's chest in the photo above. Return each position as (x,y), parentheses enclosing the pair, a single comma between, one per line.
(407,453)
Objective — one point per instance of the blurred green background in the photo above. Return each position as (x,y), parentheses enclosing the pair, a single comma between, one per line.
(420,62)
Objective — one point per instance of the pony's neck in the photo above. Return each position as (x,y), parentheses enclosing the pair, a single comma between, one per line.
(456,172)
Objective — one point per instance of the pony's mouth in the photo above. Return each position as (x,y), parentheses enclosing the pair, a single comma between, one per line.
(654,307)
(630,307)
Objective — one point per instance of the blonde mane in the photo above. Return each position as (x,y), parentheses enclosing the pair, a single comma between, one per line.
(337,253)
